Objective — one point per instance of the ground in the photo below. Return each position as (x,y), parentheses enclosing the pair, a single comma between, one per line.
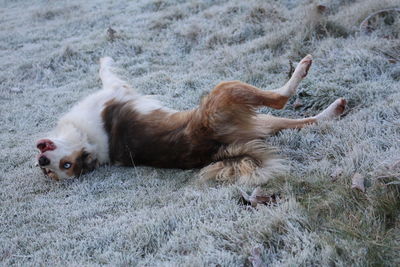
(179,50)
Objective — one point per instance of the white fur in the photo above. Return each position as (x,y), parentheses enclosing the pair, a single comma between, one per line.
(82,127)
(331,111)
(108,78)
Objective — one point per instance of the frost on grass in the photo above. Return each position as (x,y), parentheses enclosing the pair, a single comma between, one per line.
(178,50)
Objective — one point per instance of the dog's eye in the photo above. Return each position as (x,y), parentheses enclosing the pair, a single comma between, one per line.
(67,165)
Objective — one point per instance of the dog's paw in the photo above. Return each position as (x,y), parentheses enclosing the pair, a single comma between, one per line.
(303,67)
(333,110)
(106,61)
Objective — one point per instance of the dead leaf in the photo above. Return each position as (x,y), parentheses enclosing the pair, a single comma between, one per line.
(257,197)
(336,174)
(321,8)
(358,182)
(255,258)
(111,34)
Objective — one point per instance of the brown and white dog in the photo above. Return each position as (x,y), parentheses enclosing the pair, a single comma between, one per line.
(224,136)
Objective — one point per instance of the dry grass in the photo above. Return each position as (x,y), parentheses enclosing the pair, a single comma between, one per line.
(179,50)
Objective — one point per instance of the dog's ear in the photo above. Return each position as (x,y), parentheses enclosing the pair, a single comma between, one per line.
(86,162)
(90,163)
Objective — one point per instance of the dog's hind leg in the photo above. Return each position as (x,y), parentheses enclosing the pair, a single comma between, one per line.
(228,95)
(253,162)
(236,92)
(109,79)
(229,110)
(268,124)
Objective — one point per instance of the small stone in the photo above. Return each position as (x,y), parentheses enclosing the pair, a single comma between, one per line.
(16,90)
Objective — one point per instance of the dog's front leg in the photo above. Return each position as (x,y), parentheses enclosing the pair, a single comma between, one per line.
(109,79)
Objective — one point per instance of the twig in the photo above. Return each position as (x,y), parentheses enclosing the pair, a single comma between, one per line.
(388,54)
(291,69)
(392,183)
(394,175)
(21,256)
(364,23)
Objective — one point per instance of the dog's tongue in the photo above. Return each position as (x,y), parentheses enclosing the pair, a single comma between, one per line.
(45,145)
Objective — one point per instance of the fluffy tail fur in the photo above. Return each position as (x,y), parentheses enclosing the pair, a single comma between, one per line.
(247,163)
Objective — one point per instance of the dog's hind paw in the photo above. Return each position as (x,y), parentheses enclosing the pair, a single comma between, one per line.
(333,110)
(303,67)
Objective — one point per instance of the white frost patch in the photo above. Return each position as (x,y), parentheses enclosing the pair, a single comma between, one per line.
(180,50)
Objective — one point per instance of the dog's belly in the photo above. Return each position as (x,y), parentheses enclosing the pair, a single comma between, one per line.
(158,139)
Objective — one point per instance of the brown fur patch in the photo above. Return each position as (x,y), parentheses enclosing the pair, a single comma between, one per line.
(215,134)
(239,160)
(159,139)
(230,110)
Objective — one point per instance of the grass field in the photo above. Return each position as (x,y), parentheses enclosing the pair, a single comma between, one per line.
(179,50)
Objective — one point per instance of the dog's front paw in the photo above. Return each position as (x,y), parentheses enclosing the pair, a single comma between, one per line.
(106,61)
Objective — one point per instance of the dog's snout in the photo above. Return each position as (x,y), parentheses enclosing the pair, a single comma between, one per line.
(43,161)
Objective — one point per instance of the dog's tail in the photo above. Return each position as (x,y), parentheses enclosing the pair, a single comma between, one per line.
(252,163)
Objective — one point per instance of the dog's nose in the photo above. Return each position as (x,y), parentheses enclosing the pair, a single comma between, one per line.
(43,161)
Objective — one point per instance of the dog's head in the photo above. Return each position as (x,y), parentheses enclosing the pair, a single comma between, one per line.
(65,156)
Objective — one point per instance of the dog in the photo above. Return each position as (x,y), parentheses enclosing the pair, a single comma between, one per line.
(224,135)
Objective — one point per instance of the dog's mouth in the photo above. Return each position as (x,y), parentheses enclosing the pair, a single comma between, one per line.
(49,173)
